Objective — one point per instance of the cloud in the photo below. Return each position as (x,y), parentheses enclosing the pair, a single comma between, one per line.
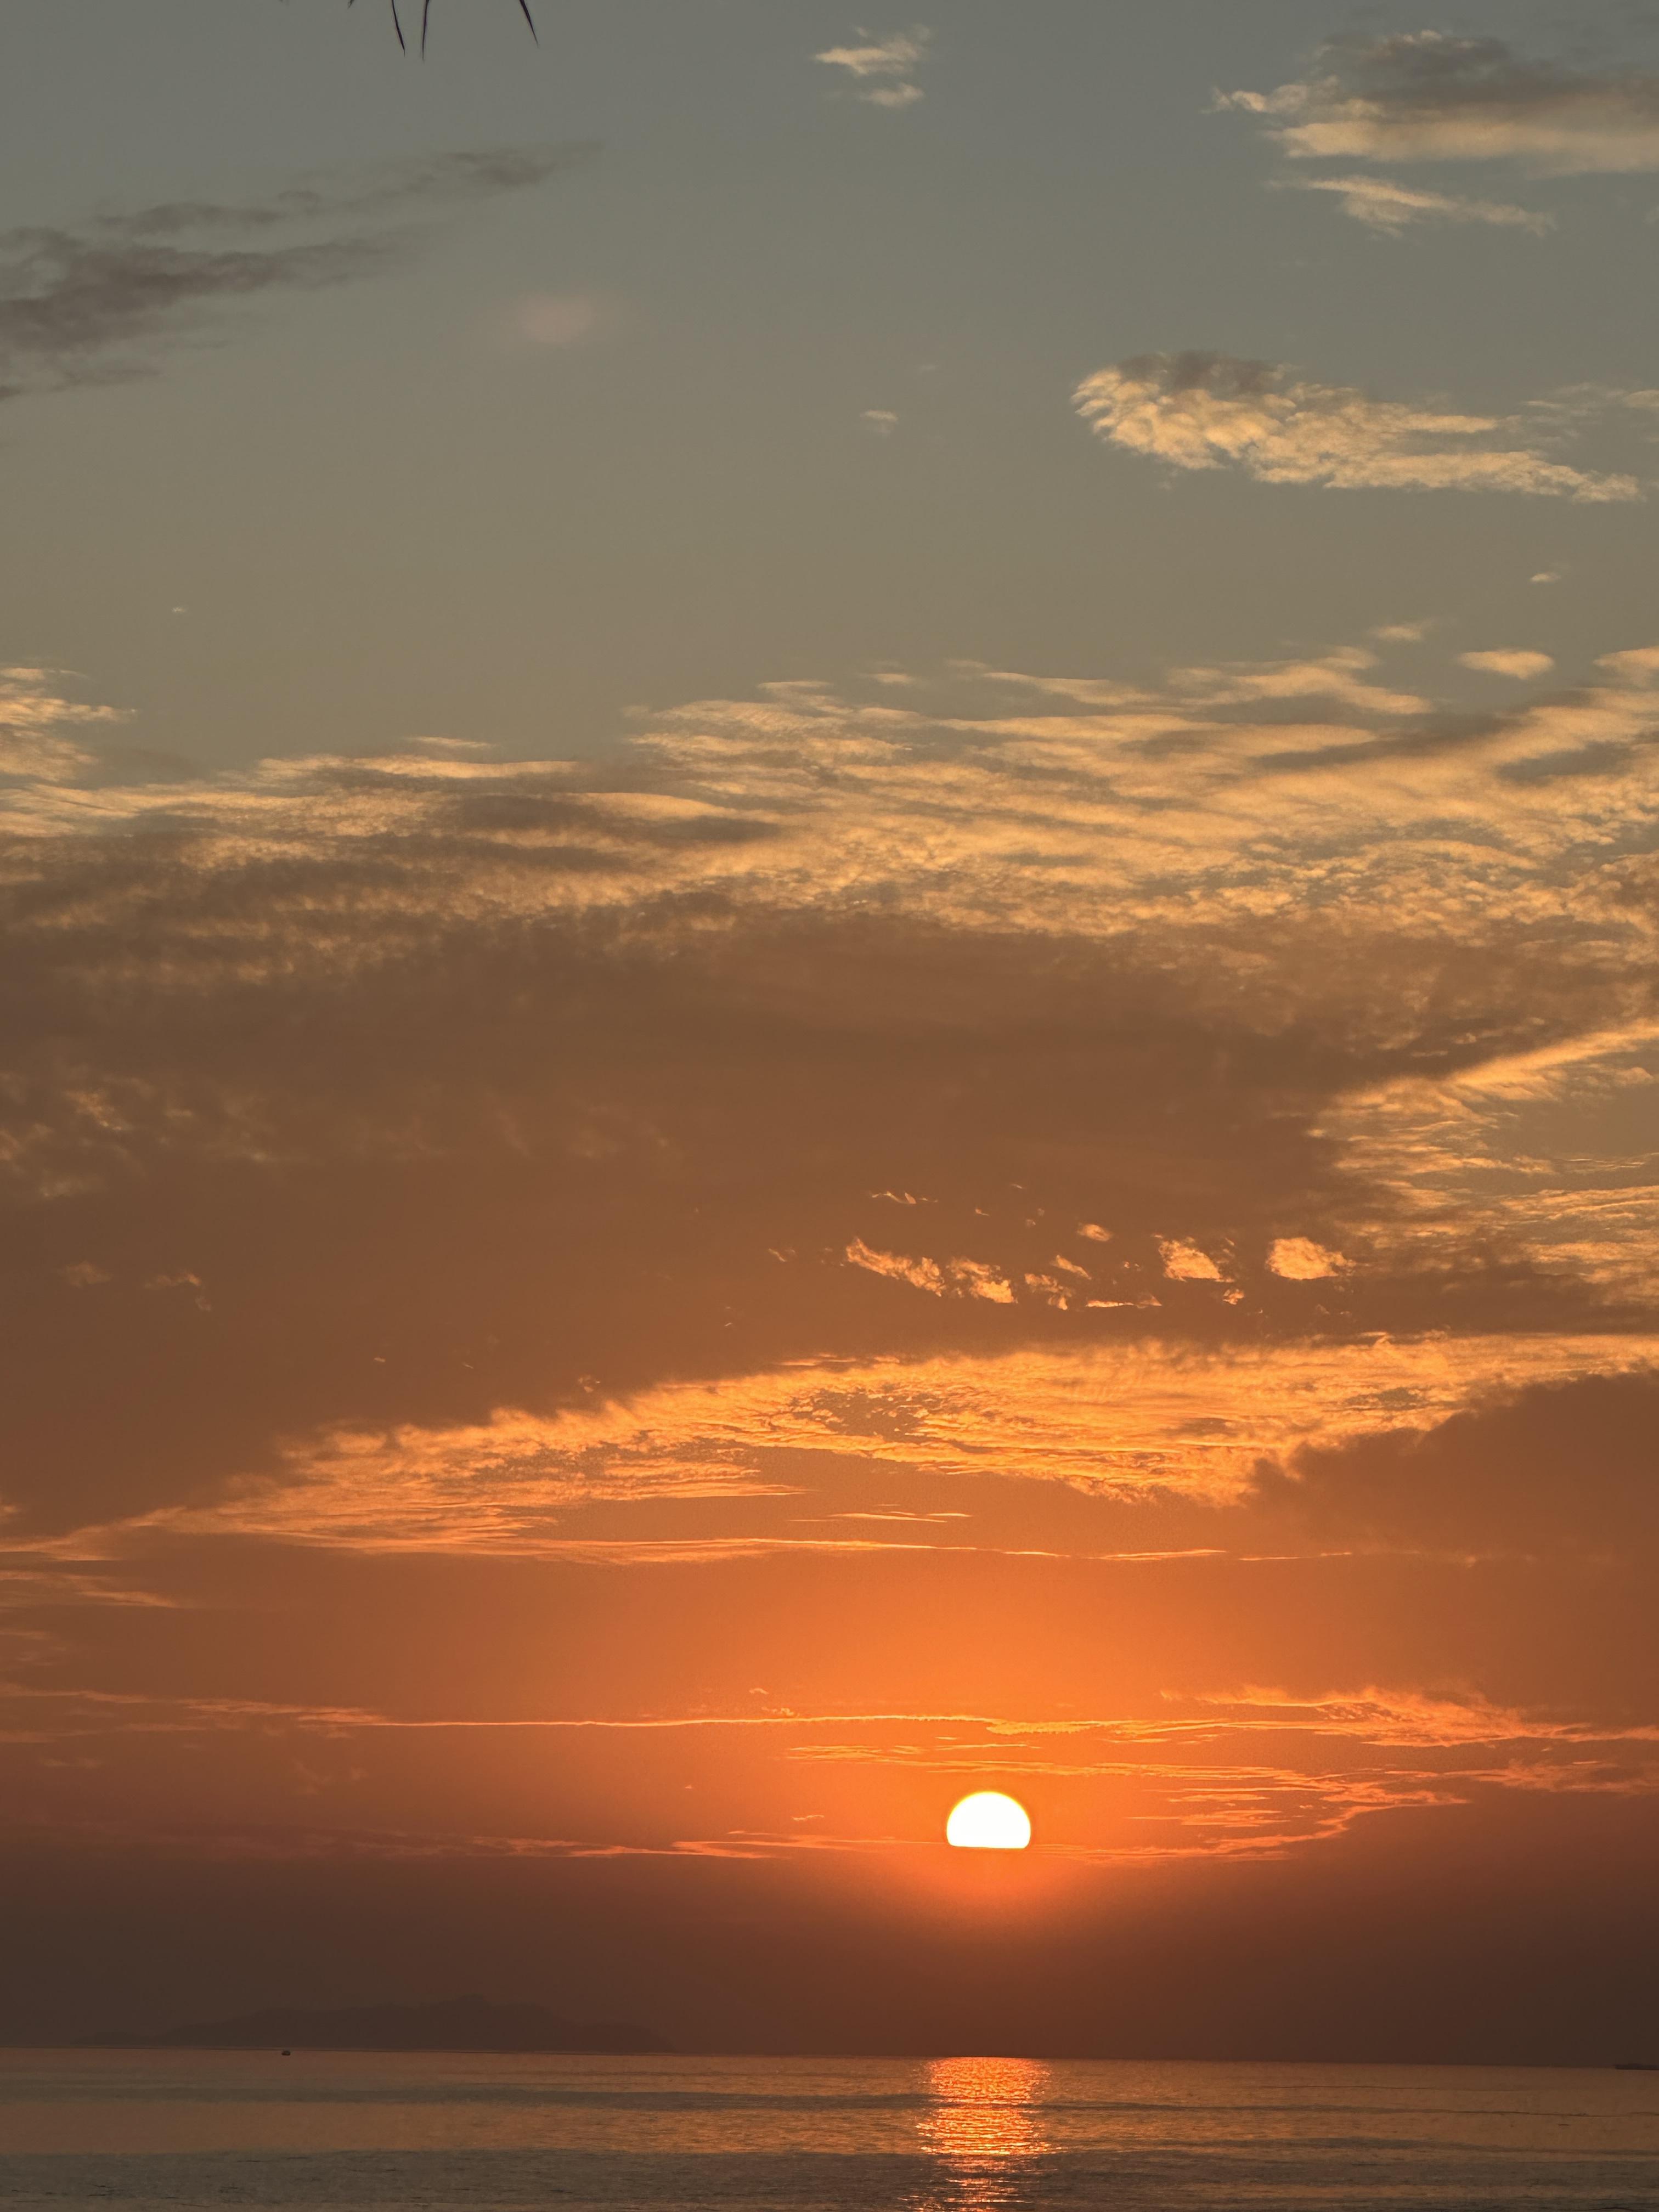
(1203,410)
(1250,1769)
(1432,96)
(1637,664)
(1184,1262)
(882,421)
(91,304)
(1300,1260)
(1154,1421)
(1522,666)
(883,70)
(447,1089)
(36,724)
(957,1277)
(1522,1476)
(1545,1152)
(1382,204)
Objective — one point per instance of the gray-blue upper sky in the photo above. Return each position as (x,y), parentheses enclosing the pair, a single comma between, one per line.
(778,381)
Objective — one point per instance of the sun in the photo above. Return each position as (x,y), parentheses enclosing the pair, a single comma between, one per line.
(988,1821)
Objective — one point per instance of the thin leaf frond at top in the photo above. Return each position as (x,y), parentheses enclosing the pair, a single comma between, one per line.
(426,16)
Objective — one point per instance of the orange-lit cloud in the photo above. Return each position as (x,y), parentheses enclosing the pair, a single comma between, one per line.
(1201,411)
(1384,204)
(1433,96)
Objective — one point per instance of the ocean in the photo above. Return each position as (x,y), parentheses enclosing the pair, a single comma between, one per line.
(185,2131)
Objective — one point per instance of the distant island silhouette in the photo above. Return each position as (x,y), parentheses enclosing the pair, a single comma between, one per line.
(454,2024)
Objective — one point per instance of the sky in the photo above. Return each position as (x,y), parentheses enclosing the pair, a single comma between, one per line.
(829,866)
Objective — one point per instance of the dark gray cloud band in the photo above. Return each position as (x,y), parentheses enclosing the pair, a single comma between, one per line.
(1432,96)
(93,303)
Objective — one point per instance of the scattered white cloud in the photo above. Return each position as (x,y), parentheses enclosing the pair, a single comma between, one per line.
(881,421)
(1382,204)
(1206,410)
(1522,665)
(1431,96)
(883,70)
(1549,576)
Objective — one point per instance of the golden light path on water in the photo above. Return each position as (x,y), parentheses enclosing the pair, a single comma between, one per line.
(981,2121)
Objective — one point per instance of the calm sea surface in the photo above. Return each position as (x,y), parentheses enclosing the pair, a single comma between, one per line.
(960,2134)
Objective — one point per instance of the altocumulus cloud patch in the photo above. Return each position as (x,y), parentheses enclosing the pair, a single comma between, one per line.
(1206,410)
(581,1086)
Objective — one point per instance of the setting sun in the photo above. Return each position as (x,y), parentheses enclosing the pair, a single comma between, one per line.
(988,1821)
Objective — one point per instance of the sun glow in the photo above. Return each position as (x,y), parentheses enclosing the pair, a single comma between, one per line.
(988,1821)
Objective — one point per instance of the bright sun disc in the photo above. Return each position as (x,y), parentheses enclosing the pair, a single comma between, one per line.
(988,1821)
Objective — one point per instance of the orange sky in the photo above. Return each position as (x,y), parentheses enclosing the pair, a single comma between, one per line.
(595,1334)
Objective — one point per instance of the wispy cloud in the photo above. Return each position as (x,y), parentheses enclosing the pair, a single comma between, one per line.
(1524,667)
(91,304)
(1382,204)
(1206,410)
(883,70)
(1432,96)
(37,722)
(1114,1421)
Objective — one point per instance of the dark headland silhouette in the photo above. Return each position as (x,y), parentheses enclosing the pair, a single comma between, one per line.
(454,2024)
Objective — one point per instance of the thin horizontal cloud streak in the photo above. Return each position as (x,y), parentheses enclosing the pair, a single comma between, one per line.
(1202,411)
(1382,204)
(91,304)
(1250,1769)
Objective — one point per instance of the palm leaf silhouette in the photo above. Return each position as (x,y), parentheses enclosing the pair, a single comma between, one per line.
(426,13)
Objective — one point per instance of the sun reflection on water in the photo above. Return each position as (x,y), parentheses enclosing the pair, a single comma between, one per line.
(982,2124)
